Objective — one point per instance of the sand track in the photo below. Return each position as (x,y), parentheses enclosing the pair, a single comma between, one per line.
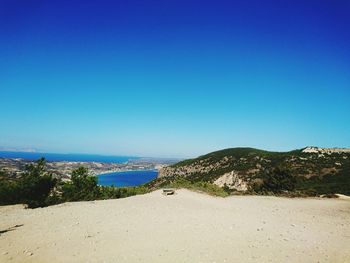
(187,227)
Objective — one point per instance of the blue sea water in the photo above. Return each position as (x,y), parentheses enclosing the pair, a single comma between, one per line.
(128,178)
(67,157)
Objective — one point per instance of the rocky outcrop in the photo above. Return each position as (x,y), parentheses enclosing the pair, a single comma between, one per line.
(319,150)
(233,181)
(202,166)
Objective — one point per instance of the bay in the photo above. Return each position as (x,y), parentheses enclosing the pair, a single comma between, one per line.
(127,178)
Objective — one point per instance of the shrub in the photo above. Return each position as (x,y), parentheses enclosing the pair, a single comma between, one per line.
(109,192)
(83,186)
(36,184)
(277,181)
(33,187)
(201,186)
(9,191)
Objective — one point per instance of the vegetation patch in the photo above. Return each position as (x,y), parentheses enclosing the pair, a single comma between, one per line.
(291,174)
(294,173)
(38,188)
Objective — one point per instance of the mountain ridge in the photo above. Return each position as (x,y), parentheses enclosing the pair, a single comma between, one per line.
(320,170)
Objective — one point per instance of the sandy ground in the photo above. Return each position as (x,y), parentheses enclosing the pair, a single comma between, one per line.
(187,227)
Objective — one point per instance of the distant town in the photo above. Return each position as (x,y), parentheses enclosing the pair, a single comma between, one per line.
(63,169)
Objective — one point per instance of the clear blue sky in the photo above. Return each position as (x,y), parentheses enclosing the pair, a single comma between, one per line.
(174,78)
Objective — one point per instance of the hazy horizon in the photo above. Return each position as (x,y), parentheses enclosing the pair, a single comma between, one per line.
(174,79)
(37,151)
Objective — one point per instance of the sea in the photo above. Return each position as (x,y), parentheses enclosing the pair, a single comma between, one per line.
(127,178)
(56,157)
(120,179)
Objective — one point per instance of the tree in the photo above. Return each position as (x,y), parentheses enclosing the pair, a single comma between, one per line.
(278,180)
(33,187)
(83,186)
(36,184)
(8,189)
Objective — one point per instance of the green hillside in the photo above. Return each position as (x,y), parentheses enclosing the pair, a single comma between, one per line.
(254,170)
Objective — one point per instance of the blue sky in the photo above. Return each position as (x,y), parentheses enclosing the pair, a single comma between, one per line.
(174,78)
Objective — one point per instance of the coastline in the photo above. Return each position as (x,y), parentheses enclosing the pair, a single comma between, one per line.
(129,170)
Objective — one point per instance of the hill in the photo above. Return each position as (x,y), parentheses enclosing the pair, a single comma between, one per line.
(311,170)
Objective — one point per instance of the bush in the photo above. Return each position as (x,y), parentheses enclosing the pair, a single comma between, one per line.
(110,192)
(276,181)
(32,188)
(37,188)
(327,184)
(83,186)
(200,186)
(9,192)
(36,184)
